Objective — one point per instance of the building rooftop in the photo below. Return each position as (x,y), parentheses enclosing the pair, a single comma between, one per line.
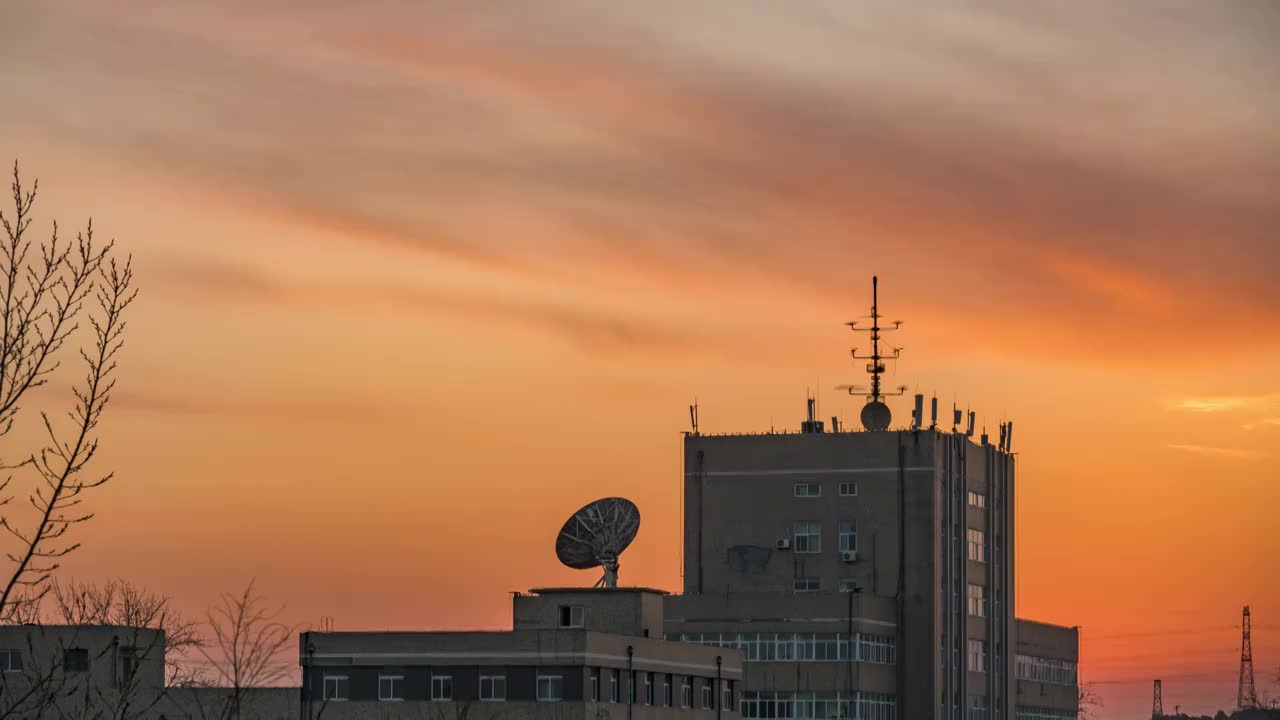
(600,590)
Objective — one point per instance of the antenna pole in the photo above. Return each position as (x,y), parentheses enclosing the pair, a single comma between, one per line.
(876,415)
(875,338)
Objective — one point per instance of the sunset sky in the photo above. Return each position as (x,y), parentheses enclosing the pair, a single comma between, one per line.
(420,278)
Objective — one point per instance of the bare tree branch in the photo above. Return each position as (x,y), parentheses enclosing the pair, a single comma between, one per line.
(44,291)
(247,648)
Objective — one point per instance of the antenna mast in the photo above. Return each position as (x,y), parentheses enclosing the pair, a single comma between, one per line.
(1157,703)
(875,415)
(1247,697)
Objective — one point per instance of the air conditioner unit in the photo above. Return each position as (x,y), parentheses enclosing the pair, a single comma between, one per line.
(784,544)
(849,556)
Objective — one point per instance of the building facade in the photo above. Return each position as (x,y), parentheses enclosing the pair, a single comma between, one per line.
(863,574)
(113,672)
(80,671)
(572,653)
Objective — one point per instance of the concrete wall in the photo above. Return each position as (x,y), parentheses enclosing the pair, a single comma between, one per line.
(740,496)
(1056,642)
(519,656)
(622,611)
(281,703)
(46,686)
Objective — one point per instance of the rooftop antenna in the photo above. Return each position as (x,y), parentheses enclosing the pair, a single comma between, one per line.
(969,430)
(917,415)
(596,535)
(811,423)
(933,412)
(875,414)
(693,416)
(955,416)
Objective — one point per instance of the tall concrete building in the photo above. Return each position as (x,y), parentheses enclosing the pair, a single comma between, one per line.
(866,574)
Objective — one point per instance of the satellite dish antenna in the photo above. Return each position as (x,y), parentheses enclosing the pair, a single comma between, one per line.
(596,535)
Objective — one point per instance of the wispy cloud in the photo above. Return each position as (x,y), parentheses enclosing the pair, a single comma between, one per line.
(770,149)
(1236,453)
(1264,422)
(176,402)
(1227,403)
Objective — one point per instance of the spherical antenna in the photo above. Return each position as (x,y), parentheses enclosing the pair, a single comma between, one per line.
(596,535)
(876,416)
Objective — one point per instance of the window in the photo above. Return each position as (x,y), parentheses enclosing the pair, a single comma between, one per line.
(631,688)
(977,500)
(978,655)
(787,647)
(978,707)
(977,545)
(708,695)
(75,660)
(977,601)
(550,688)
(686,691)
(493,688)
(615,683)
(848,535)
(1036,713)
(808,489)
(808,584)
(848,489)
(595,684)
(668,691)
(808,537)
(1045,670)
(441,687)
(10,661)
(572,616)
(337,688)
(849,585)
(127,659)
(390,687)
(648,688)
(773,704)
(727,702)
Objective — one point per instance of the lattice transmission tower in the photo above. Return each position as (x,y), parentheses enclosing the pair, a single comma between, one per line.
(1247,696)
(1157,704)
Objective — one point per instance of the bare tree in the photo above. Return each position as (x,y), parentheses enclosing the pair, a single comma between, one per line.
(1090,704)
(43,293)
(121,602)
(57,622)
(247,648)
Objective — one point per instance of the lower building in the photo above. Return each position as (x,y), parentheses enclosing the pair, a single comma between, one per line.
(1047,680)
(113,671)
(572,653)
